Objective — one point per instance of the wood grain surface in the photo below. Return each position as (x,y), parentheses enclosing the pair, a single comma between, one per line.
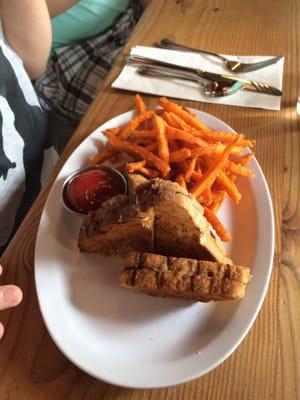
(267,363)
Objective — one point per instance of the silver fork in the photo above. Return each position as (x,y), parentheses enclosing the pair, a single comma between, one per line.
(233,66)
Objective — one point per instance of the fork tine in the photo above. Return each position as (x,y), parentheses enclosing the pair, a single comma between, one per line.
(243,67)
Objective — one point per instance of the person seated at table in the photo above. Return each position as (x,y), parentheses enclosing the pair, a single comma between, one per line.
(87,37)
(74,21)
(26,153)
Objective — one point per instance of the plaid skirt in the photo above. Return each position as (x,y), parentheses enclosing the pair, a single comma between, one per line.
(75,74)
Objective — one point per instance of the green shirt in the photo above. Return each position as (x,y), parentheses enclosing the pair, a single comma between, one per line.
(85,19)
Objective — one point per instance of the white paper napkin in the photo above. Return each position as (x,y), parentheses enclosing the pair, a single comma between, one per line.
(129,79)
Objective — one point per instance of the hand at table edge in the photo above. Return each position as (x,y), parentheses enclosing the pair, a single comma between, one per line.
(10,296)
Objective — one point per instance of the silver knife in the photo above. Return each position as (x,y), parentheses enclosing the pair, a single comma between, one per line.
(251,85)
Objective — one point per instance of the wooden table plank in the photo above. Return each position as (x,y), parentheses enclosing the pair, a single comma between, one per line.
(267,363)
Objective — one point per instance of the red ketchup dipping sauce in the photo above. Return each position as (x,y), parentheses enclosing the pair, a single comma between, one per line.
(87,189)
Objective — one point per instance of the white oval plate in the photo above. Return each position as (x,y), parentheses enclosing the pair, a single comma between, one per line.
(136,340)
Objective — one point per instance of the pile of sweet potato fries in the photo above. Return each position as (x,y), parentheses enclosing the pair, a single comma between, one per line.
(170,143)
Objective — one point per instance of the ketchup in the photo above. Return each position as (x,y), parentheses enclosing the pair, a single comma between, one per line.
(90,188)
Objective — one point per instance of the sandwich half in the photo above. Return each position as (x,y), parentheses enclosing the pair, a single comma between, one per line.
(185,278)
(160,217)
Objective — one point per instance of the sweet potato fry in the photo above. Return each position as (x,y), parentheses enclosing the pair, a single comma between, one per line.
(243,160)
(175,121)
(238,169)
(151,147)
(169,120)
(217,225)
(205,198)
(224,137)
(217,200)
(187,117)
(113,131)
(123,146)
(247,143)
(140,167)
(210,175)
(174,145)
(180,180)
(179,155)
(149,172)
(149,133)
(214,137)
(139,103)
(229,187)
(198,167)
(180,122)
(196,176)
(188,111)
(141,108)
(183,165)
(179,134)
(212,150)
(208,196)
(162,142)
(237,149)
(133,166)
(135,122)
(103,155)
(190,170)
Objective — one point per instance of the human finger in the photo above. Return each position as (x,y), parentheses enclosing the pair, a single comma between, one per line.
(10,296)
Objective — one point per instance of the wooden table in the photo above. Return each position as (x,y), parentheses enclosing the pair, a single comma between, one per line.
(267,363)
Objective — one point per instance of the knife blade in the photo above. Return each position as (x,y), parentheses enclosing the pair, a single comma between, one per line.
(248,84)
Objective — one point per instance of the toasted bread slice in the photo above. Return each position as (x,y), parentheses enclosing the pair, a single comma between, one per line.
(160,217)
(191,279)
(134,181)
(117,228)
(181,229)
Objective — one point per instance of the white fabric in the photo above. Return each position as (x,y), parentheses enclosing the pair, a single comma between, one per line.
(11,188)
(23,142)
(129,79)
